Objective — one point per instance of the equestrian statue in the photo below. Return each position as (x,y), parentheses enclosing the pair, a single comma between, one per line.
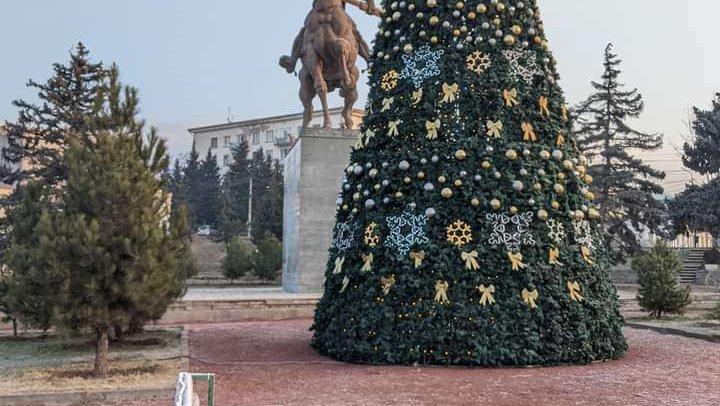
(328,46)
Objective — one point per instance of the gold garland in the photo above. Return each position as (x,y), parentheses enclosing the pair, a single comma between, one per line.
(486,293)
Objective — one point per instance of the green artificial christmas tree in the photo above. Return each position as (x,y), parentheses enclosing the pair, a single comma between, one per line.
(466,232)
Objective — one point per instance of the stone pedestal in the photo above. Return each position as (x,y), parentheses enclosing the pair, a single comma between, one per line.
(314,171)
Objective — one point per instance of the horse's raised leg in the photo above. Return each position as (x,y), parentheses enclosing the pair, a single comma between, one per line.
(307,94)
(343,50)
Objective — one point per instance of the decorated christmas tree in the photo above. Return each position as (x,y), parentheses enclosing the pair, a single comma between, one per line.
(466,232)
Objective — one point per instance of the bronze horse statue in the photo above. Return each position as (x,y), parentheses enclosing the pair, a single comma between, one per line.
(328,46)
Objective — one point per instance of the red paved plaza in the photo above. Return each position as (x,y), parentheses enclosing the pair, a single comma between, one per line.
(271,363)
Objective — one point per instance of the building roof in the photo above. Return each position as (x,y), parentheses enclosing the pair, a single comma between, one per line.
(264,120)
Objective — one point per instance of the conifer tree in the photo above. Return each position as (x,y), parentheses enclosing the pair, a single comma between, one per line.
(626,187)
(193,185)
(465,231)
(65,112)
(236,193)
(268,215)
(207,192)
(702,151)
(658,273)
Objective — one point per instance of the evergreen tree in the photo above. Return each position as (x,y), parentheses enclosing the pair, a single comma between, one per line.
(464,233)
(207,192)
(702,152)
(65,112)
(267,261)
(697,208)
(236,193)
(31,294)
(658,273)
(239,260)
(268,215)
(625,186)
(193,185)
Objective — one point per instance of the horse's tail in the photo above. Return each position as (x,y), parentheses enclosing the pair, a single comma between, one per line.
(288,63)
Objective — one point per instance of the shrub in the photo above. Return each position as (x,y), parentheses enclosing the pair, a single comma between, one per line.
(268,259)
(658,272)
(239,260)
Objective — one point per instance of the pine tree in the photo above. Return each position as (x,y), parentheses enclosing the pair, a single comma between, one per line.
(207,192)
(114,246)
(697,208)
(658,273)
(31,295)
(625,186)
(702,152)
(268,215)
(236,193)
(66,109)
(239,260)
(464,233)
(267,261)
(193,185)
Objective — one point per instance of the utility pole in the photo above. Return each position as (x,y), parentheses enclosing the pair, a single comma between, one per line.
(250,200)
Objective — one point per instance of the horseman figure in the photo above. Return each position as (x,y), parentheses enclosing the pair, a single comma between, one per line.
(328,46)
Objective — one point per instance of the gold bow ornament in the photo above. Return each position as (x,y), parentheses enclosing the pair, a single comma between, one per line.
(369,134)
(554,256)
(339,262)
(528,132)
(470,259)
(586,255)
(417,97)
(486,293)
(432,128)
(441,290)
(530,298)
(560,140)
(449,93)
(510,97)
(387,103)
(387,284)
(516,260)
(494,129)
(574,289)
(393,128)
(565,113)
(345,283)
(367,262)
(543,103)
(418,258)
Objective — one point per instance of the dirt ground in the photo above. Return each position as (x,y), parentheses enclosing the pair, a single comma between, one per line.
(271,363)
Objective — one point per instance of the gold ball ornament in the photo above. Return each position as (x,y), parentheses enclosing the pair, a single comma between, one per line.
(495,204)
(421,175)
(579,215)
(447,193)
(561,176)
(500,7)
(345,207)
(511,154)
(432,3)
(589,179)
(460,155)
(442,179)
(537,187)
(555,205)
(594,214)
(486,165)
(568,165)
(481,8)
(398,195)
(458,183)
(355,211)
(509,40)
(513,210)
(590,196)
(407,180)
(460,5)
(559,189)
(434,20)
(356,197)
(516,30)
(471,15)
(475,202)
(456,32)
(434,40)
(377,186)
(542,215)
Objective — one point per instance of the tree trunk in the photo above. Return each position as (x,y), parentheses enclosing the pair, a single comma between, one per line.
(118,333)
(14,323)
(101,352)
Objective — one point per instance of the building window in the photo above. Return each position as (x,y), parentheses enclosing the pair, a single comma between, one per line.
(269,136)
(226,160)
(227,141)
(256,138)
(213,142)
(270,154)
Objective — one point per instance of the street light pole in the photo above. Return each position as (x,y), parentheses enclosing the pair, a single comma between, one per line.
(250,200)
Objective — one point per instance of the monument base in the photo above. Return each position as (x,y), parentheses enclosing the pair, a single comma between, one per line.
(314,171)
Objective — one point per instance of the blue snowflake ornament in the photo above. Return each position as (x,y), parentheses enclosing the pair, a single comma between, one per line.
(421,65)
(345,235)
(406,230)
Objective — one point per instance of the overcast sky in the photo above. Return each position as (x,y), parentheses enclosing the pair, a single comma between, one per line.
(193,60)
